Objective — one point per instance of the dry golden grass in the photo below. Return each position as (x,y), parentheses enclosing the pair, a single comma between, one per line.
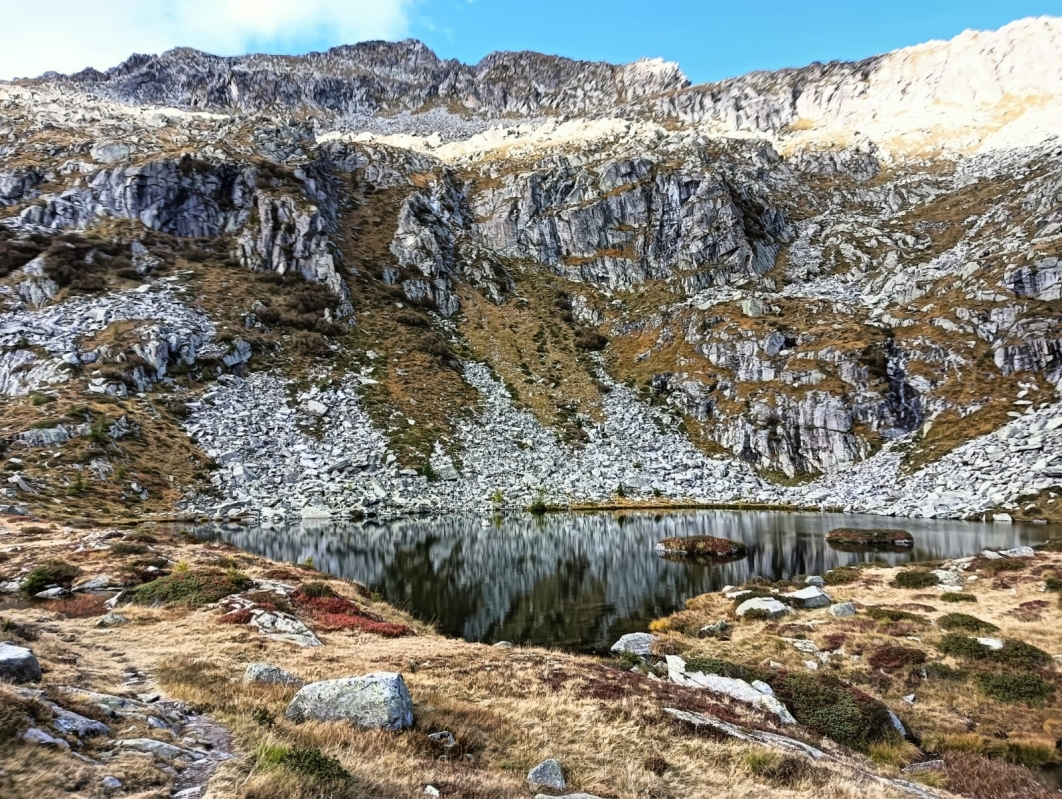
(942,708)
(508,709)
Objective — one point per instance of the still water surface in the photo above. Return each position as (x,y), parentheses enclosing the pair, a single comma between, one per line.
(579,581)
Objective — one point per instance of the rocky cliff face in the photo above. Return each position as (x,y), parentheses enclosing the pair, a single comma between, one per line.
(349,284)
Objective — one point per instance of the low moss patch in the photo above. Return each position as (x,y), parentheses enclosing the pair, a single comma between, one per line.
(913,578)
(832,709)
(869,539)
(190,589)
(725,668)
(702,546)
(965,623)
(1029,689)
(894,614)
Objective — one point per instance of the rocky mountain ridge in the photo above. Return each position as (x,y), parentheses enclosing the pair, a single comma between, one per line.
(422,285)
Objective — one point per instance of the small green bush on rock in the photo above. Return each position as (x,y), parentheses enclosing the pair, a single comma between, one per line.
(842,575)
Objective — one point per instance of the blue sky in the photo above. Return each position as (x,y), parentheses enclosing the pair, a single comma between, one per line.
(709,38)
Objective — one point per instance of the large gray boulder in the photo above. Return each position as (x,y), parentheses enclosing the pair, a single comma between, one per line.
(772,607)
(270,675)
(375,701)
(635,643)
(18,664)
(547,774)
(809,598)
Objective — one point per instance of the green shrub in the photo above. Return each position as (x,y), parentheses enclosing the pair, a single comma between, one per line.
(1029,689)
(1014,654)
(841,713)
(54,572)
(964,647)
(1053,584)
(842,575)
(966,623)
(1022,656)
(189,589)
(538,507)
(915,579)
(892,614)
(725,668)
(939,671)
(957,596)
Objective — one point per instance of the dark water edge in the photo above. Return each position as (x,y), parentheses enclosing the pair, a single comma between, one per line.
(579,581)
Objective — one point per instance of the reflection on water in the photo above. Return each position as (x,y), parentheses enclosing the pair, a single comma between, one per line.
(580,581)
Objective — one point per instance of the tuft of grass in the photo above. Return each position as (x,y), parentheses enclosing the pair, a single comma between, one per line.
(893,753)
(187,589)
(956,596)
(965,623)
(913,578)
(783,771)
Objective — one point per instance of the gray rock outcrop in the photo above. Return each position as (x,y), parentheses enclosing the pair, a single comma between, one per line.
(375,701)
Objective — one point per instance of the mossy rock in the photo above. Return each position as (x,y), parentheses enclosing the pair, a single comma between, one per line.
(875,538)
(702,546)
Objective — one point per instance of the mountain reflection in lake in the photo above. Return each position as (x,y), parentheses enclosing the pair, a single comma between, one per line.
(579,581)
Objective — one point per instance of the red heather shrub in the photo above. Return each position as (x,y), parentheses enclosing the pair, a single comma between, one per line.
(83,606)
(337,613)
(893,658)
(237,617)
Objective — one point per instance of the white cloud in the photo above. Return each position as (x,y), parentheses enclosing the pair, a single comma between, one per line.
(69,35)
